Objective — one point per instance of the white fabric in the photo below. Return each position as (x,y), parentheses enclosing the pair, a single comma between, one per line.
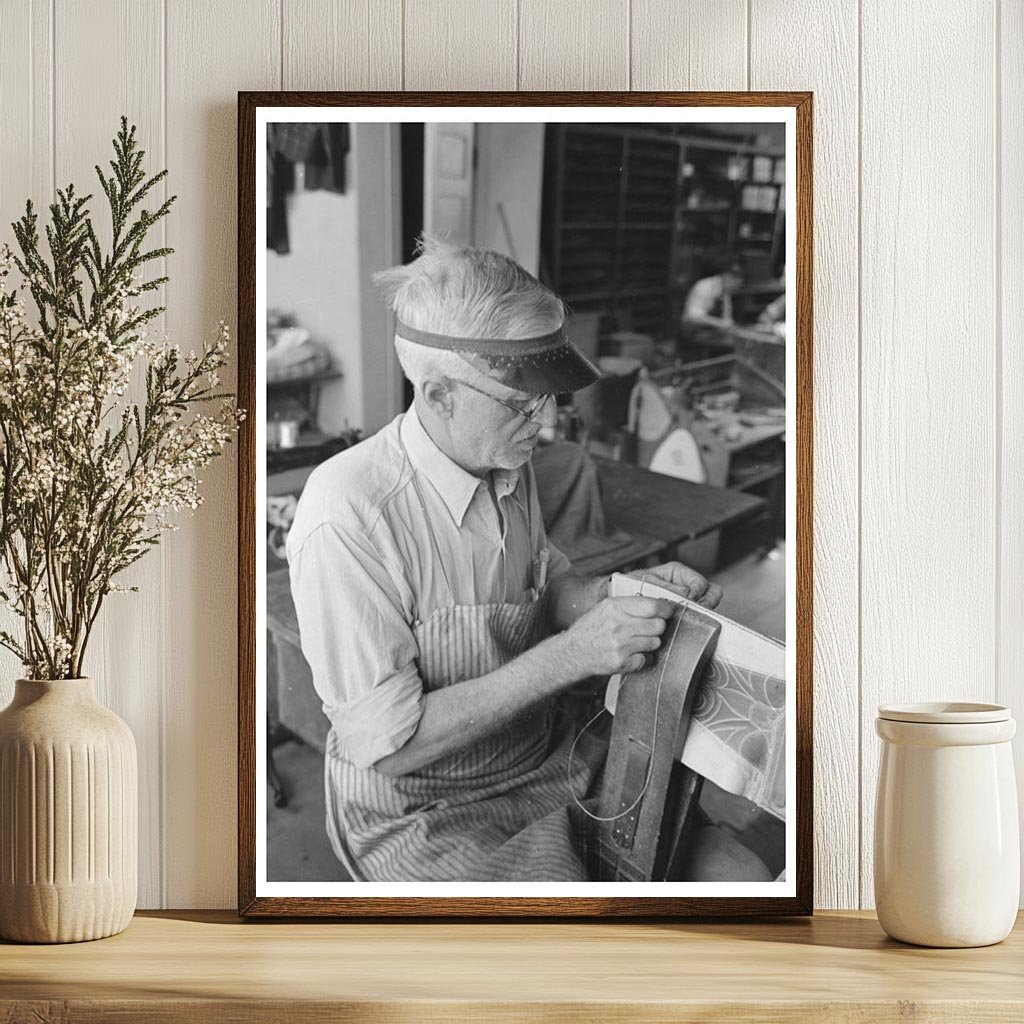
(705,296)
(737,734)
(679,456)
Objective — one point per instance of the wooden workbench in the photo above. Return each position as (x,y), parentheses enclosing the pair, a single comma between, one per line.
(207,966)
(668,510)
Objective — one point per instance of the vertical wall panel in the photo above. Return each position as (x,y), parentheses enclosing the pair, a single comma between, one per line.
(928,364)
(939,615)
(1010,215)
(574,44)
(26,101)
(122,657)
(213,51)
(26,105)
(697,45)
(342,44)
(466,45)
(780,60)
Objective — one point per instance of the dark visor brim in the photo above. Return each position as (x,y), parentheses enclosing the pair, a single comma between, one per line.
(549,364)
(554,372)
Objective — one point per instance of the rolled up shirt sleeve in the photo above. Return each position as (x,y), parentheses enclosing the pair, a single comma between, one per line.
(357,641)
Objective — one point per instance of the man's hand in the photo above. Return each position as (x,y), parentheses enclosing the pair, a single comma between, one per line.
(615,635)
(682,576)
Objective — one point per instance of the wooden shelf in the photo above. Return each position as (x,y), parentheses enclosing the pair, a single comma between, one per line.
(207,966)
(638,220)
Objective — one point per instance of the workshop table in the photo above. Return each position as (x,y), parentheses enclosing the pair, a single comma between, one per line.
(660,511)
(758,335)
(666,509)
(207,966)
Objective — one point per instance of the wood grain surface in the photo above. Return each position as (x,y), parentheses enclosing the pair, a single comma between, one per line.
(134,678)
(213,44)
(468,45)
(574,44)
(26,126)
(928,368)
(341,44)
(832,75)
(207,966)
(696,45)
(1009,274)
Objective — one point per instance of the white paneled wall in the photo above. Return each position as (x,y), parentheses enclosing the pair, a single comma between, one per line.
(928,411)
(832,73)
(1008,425)
(919,307)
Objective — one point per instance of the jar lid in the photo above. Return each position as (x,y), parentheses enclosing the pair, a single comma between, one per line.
(945,713)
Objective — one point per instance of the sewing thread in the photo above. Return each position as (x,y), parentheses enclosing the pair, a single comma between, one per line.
(654,731)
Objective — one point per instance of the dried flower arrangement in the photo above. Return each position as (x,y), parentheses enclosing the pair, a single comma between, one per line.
(89,478)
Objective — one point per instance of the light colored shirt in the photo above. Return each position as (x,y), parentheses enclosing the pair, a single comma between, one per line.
(705,296)
(364,571)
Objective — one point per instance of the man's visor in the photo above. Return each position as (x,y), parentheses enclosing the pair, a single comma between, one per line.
(549,364)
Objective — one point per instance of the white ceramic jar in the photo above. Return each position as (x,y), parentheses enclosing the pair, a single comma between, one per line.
(947,846)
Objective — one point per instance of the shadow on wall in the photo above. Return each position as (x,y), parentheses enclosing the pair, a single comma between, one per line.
(201,559)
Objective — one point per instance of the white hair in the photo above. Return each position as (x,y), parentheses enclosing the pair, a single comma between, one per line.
(420,363)
(466,293)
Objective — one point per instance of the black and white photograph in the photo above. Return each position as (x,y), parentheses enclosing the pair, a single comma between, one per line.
(525,580)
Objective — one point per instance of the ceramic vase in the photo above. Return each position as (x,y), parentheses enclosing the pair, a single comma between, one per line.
(947,846)
(68,815)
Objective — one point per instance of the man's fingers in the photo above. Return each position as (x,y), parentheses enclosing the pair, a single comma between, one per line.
(647,646)
(681,576)
(647,627)
(711,596)
(646,607)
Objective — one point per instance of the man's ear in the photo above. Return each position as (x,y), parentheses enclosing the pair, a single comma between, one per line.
(438,395)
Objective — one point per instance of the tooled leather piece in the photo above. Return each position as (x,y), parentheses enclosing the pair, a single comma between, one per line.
(653,707)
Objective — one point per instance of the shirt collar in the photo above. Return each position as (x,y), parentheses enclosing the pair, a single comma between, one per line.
(456,486)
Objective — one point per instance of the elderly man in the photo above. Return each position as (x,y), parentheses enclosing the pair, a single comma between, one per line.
(439,622)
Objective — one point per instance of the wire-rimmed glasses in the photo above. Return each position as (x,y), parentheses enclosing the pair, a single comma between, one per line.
(528,412)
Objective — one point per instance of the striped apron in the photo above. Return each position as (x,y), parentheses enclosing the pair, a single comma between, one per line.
(498,810)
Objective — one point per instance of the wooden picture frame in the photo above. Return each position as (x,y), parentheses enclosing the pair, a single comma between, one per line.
(795,896)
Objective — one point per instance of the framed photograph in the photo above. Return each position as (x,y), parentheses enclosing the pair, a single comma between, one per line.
(525,504)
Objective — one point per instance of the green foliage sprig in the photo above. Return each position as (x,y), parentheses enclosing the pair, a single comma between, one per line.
(89,477)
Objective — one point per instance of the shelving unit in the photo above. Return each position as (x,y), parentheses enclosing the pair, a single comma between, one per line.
(299,397)
(633,214)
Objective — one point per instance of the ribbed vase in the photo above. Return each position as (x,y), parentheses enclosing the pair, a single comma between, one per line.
(68,815)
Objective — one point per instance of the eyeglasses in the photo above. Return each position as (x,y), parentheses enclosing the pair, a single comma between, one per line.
(528,412)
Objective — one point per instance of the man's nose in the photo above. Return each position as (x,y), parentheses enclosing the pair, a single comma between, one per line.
(548,414)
